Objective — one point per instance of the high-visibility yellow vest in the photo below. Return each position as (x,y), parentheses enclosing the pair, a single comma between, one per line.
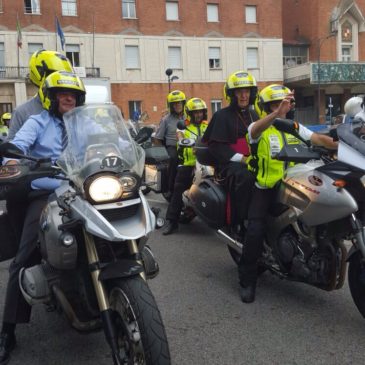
(186,154)
(268,170)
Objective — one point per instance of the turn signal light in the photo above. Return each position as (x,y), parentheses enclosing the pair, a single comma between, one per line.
(339,183)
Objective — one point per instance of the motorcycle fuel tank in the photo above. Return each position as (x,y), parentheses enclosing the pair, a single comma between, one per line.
(314,195)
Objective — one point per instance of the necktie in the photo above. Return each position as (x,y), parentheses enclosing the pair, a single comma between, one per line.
(64,138)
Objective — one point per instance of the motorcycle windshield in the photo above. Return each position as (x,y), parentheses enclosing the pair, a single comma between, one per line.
(98,141)
(353,134)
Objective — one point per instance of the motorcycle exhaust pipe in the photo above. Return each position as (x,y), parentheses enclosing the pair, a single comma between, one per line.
(237,246)
(71,315)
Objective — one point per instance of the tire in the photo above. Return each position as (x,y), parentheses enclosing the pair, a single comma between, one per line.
(140,331)
(356,280)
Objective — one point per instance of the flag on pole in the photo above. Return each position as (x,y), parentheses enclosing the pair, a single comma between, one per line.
(60,33)
(19,31)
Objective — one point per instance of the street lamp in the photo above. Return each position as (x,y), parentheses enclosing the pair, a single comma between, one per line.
(170,79)
(320,42)
(168,73)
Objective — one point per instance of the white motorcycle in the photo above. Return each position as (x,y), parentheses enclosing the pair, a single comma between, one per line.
(93,235)
(319,204)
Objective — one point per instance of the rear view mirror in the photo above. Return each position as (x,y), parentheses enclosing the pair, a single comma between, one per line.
(181,125)
(143,135)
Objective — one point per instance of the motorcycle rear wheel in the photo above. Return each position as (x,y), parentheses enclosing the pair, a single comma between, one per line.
(356,280)
(141,335)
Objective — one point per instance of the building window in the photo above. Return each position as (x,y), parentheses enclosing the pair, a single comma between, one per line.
(132,57)
(172,10)
(6,108)
(2,54)
(32,7)
(214,54)
(293,56)
(347,42)
(73,54)
(129,8)
(252,58)
(1,6)
(174,57)
(134,108)
(346,54)
(212,13)
(34,47)
(250,12)
(216,105)
(69,8)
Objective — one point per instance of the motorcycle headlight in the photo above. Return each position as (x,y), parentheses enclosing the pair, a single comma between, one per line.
(129,183)
(105,189)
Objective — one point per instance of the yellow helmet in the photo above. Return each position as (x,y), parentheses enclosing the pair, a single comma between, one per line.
(267,95)
(240,80)
(174,97)
(61,81)
(5,119)
(195,104)
(42,63)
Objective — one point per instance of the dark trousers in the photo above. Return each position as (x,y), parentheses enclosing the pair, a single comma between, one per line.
(240,183)
(256,227)
(16,309)
(172,151)
(183,180)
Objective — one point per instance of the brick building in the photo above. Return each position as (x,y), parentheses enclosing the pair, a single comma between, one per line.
(133,42)
(323,54)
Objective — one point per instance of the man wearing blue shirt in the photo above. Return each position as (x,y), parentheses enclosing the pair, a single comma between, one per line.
(42,135)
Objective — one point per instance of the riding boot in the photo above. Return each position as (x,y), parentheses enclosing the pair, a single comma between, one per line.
(248,292)
(171,227)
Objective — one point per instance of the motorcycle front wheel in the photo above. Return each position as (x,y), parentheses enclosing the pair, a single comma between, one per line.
(141,335)
(356,280)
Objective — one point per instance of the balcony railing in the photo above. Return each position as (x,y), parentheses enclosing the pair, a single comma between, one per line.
(338,72)
(13,72)
(22,72)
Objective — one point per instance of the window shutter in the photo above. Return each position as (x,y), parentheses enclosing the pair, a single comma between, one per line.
(214,53)
(131,57)
(172,12)
(251,14)
(212,13)
(174,57)
(252,57)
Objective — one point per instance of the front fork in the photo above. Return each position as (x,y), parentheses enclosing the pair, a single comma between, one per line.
(102,297)
(359,235)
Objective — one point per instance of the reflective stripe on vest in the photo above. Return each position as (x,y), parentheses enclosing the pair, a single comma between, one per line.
(267,169)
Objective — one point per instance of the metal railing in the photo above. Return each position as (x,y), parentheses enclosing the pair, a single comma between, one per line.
(8,72)
(13,72)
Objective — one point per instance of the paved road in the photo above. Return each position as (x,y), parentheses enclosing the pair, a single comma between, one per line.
(197,291)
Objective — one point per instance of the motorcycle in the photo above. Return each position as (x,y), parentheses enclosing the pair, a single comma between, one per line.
(319,204)
(92,237)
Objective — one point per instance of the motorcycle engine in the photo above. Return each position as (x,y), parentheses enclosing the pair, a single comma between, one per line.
(58,248)
(292,255)
(287,248)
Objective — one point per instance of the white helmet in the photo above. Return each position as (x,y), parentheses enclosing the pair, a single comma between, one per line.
(353,106)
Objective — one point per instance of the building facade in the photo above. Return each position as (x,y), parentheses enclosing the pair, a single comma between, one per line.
(133,42)
(323,55)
